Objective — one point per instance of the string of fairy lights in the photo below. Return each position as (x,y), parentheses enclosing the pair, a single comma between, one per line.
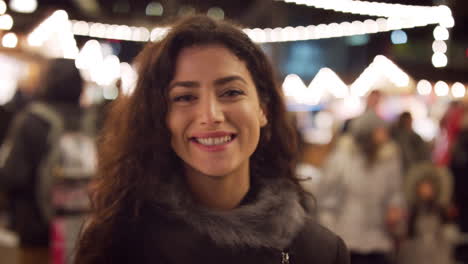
(408,14)
(390,17)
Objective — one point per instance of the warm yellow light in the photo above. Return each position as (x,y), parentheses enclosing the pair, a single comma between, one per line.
(424,87)
(328,80)
(439,46)
(97,30)
(439,60)
(292,84)
(441,33)
(441,88)
(80,28)
(391,71)
(9,40)
(140,34)
(3,7)
(6,22)
(23,6)
(89,56)
(60,15)
(391,17)
(458,90)
(123,32)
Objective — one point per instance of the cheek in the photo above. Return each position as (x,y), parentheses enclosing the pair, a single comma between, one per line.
(173,123)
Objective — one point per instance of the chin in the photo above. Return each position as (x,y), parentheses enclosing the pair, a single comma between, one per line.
(215,173)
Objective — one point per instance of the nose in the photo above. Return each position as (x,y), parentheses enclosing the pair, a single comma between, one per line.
(210,111)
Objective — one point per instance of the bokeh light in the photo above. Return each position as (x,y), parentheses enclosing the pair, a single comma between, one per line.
(10,40)
(458,90)
(441,88)
(439,60)
(424,87)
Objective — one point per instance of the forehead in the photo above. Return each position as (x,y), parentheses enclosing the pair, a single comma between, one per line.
(209,61)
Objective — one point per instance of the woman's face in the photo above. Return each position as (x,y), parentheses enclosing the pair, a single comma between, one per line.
(214,112)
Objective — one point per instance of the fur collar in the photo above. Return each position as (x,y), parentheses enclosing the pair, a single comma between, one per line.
(272,219)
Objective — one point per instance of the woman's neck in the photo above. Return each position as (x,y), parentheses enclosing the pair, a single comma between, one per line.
(219,192)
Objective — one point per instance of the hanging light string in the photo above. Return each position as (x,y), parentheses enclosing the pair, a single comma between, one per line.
(442,14)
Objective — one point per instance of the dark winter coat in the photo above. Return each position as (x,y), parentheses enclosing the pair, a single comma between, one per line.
(19,174)
(459,169)
(272,225)
(26,146)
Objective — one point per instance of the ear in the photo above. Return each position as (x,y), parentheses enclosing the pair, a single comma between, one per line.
(263,117)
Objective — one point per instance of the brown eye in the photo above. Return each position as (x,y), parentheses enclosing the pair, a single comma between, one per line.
(184,98)
(233,93)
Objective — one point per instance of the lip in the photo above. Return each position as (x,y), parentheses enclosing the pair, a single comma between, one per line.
(215,148)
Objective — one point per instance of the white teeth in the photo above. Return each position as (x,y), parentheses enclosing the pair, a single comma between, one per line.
(213,141)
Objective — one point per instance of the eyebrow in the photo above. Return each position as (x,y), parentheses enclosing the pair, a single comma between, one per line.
(217,82)
(228,79)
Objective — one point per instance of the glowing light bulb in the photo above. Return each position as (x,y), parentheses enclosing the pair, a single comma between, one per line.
(424,87)
(6,22)
(80,28)
(441,33)
(3,7)
(439,60)
(458,90)
(439,46)
(9,40)
(23,6)
(441,88)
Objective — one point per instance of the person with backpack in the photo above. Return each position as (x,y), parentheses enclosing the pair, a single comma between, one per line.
(44,164)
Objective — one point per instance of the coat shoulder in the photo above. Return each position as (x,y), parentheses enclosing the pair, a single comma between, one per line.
(317,244)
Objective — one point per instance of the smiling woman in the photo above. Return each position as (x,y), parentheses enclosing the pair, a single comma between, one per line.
(197,165)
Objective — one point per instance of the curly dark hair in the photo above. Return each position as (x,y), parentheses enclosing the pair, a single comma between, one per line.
(134,150)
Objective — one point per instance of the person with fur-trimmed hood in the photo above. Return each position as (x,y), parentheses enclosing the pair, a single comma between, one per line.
(360,194)
(197,165)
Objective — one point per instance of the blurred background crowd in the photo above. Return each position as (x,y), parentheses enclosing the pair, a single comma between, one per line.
(376,89)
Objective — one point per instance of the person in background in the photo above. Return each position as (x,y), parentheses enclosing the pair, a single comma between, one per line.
(428,190)
(449,125)
(413,148)
(459,169)
(24,151)
(360,194)
(25,94)
(197,165)
(373,100)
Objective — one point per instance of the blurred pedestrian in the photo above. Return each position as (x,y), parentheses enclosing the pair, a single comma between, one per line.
(449,127)
(27,149)
(360,193)
(197,165)
(428,190)
(373,100)
(459,168)
(413,149)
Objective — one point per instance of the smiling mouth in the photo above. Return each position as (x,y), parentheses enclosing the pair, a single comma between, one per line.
(214,141)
